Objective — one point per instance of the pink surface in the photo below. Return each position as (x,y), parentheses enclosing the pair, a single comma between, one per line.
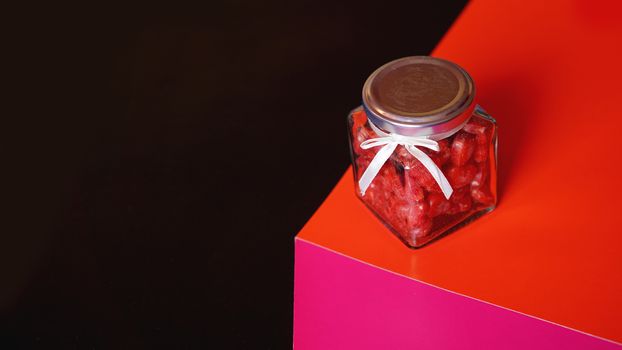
(341,303)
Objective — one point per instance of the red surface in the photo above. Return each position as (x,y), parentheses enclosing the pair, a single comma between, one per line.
(549,71)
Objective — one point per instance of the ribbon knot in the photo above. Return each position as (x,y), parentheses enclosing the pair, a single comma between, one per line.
(389,143)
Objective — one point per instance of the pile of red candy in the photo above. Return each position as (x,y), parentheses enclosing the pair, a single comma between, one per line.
(408,199)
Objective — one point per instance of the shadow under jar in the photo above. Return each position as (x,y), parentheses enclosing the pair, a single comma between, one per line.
(424,154)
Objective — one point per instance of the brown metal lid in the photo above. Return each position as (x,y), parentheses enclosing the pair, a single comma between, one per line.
(418,96)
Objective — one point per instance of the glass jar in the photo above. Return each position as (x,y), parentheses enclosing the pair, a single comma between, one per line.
(424,154)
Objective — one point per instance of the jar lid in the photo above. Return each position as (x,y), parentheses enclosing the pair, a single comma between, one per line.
(419,96)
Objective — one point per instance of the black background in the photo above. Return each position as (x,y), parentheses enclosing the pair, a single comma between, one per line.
(165,157)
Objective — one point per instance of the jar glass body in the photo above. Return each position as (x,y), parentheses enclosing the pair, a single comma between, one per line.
(405,196)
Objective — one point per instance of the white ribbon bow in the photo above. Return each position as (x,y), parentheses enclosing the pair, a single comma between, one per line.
(390,143)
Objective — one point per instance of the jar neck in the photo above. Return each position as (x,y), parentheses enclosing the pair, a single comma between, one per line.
(436,131)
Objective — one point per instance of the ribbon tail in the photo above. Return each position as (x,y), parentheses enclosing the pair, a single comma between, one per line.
(434,170)
(374,167)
